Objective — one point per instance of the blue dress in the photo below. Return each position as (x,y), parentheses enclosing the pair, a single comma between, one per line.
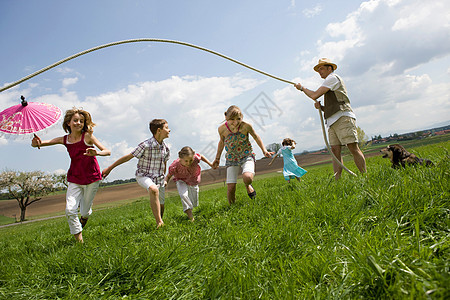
(291,168)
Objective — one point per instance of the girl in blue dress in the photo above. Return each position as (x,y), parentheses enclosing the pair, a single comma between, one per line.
(291,169)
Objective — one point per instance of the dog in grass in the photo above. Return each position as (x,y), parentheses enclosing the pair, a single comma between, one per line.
(399,157)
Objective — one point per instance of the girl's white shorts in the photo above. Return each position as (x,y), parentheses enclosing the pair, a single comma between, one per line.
(233,171)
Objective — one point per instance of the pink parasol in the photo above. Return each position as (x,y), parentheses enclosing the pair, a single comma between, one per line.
(28,118)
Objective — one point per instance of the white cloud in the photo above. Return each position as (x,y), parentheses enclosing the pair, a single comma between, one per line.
(64,70)
(403,33)
(69,81)
(383,50)
(292,4)
(416,14)
(405,116)
(312,12)
(193,107)
(348,28)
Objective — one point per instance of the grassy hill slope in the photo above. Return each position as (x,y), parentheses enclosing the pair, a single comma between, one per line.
(384,235)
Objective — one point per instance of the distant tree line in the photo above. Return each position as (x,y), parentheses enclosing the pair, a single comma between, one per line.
(410,135)
(118,181)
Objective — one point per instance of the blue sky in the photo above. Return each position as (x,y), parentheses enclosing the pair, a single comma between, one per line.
(393,55)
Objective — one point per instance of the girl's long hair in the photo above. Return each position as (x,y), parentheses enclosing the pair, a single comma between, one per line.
(233,112)
(88,124)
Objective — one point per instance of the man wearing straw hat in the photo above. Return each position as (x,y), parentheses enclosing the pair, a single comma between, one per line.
(339,116)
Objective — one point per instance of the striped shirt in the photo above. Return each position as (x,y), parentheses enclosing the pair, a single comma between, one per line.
(152,158)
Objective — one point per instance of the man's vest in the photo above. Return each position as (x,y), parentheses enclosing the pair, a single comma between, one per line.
(336,100)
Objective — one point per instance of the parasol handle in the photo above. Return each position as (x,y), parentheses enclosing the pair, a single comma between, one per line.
(38,146)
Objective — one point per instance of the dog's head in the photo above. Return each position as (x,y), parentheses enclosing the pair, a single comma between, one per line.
(395,153)
(387,153)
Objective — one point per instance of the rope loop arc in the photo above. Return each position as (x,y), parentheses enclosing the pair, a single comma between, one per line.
(179,43)
(137,41)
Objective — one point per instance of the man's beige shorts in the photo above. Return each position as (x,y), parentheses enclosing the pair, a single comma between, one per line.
(343,132)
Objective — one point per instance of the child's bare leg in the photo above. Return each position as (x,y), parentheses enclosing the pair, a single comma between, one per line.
(161,208)
(154,204)
(79,237)
(189,214)
(231,193)
(247,177)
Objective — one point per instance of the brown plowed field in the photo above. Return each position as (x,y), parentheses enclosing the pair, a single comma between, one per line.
(56,203)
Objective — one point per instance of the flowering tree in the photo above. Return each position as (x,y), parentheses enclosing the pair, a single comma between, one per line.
(60,180)
(26,187)
(274,147)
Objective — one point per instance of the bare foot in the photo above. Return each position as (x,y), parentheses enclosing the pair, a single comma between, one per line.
(79,237)
(189,214)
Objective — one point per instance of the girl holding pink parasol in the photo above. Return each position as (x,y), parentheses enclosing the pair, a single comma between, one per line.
(84,174)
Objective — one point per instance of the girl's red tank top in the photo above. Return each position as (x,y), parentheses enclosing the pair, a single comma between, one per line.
(83,169)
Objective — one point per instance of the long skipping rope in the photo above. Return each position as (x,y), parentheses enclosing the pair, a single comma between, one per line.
(179,43)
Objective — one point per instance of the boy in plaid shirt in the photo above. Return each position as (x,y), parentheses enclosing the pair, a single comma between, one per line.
(152,155)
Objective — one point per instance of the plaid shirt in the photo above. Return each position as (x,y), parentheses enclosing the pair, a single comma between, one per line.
(152,158)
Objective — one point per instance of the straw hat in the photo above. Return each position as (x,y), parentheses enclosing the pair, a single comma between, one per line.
(325,61)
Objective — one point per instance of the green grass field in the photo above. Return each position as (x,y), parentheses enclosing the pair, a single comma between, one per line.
(380,236)
(6,220)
